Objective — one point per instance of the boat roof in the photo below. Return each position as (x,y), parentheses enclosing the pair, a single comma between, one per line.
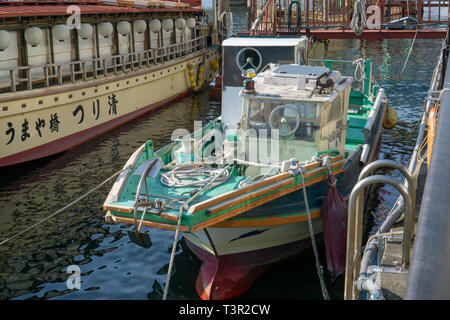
(262,42)
(59,8)
(275,85)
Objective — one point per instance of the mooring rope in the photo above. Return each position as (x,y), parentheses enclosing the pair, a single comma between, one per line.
(319,268)
(184,206)
(409,53)
(62,209)
(358,23)
(193,175)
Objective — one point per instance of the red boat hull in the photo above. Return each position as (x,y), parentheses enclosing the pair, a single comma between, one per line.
(227,276)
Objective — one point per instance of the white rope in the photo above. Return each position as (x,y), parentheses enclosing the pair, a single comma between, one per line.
(313,241)
(209,185)
(252,179)
(194,175)
(359,69)
(64,208)
(359,21)
(226,24)
(409,53)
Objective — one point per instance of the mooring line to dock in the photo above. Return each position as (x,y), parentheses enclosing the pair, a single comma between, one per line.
(184,206)
(409,53)
(64,208)
(319,268)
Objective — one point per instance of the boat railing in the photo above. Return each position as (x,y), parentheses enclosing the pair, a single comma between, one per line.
(24,78)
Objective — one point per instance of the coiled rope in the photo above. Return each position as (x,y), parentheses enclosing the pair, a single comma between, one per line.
(226,24)
(359,21)
(194,175)
(64,208)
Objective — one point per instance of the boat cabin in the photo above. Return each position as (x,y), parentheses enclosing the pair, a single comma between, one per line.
(302,109)
(243,53)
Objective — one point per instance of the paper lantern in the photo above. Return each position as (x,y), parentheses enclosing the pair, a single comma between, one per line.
(33,36)
(4,40)
(140,26)
(124,28)
(180,23)
(190,23)
(85,31)
(167,24)
(155,25)
(105,29)
(61,32)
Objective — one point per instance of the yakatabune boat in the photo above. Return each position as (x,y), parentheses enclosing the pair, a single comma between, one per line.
(234,188)
(71,70)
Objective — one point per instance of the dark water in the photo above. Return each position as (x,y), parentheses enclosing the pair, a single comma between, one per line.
(34,265)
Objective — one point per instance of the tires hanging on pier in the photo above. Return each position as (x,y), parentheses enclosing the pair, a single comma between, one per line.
(334,216)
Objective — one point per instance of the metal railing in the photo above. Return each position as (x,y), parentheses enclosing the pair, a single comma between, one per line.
(283,15)
(24,77)
(355,222)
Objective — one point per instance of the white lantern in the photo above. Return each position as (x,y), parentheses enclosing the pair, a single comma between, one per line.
(4,40)
(190,23)
(124,28)
(140,26)
(167,24)
(105,29)
(61,32)
(180,23)
(155,25)
(33,36)
(85,31)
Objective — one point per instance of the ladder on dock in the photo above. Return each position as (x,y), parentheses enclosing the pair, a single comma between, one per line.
(360,275)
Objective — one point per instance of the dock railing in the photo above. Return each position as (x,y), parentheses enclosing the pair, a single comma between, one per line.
(429,277)
(292,16)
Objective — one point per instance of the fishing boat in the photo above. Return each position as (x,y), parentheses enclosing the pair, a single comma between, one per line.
(244,188)
(72,70)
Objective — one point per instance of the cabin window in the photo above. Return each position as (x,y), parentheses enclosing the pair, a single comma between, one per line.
(296,119)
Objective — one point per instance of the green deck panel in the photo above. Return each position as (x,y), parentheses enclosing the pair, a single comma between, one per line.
(354,135)
(356,121)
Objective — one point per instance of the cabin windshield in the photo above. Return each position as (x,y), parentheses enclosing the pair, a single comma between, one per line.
(298,119)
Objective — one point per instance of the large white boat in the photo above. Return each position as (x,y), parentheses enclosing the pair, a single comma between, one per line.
(70,71)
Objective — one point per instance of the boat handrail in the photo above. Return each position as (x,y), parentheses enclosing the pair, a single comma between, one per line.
(95,67)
